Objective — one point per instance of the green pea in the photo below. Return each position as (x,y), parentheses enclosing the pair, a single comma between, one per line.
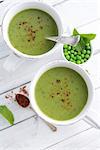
(75,53)
(84,51)
(69,52)
(66,53)
(72,51)
(68,57)
(87,56)
(88,44)
(72,55)
(88,52)
(65,46)
(71,60)
(79,53)
(75,58)
(82,60)
(78,57)
(78,62)
(88,47)
(65,50)
(69,47)
(85,59)
(82,55)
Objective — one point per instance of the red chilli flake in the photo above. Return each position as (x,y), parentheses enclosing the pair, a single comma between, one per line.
(23,90)
(22,100)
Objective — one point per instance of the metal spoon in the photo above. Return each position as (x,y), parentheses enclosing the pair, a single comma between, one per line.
(71,40)
(25,103)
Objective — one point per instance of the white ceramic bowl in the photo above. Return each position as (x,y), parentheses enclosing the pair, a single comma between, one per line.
(27,5)
(61,63)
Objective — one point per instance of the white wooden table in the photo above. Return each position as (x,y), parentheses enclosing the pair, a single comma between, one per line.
(28,133)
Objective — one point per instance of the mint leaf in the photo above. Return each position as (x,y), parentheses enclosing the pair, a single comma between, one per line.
(75,32)
(7,114)
(89,37)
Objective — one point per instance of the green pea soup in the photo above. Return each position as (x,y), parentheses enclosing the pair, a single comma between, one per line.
(61,93)
(28,31)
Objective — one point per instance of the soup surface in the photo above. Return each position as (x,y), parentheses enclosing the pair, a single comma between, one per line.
(61,93)
(28,31)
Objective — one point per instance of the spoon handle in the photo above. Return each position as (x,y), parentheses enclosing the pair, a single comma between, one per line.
(51,126)
(72,40)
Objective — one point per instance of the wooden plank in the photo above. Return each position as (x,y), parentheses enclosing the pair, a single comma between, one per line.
(75,12)
(32,134)
(88,140)
(4,49)
(54,2)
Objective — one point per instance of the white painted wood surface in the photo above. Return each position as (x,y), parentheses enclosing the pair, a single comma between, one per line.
(29,133)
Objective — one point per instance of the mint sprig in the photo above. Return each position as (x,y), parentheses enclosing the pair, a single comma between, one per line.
(84,38)
(7,114)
